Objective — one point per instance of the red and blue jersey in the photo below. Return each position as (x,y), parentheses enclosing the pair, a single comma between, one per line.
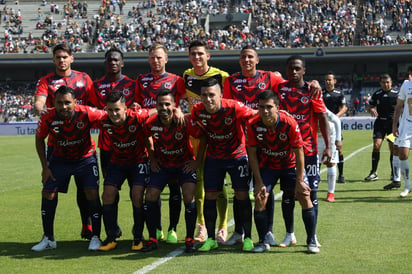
(171,143)
(80,82)
(70,138)
(245,89)
(148,86)
(226,139)
(275,146)
(127,140)
(98,96)
(298,102)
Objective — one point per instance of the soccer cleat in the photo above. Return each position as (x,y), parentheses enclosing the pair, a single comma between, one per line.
(201,233)
(404,193)
(234,239)
(270,239)
(86,232)
(261,247)
(44,244)
(313,249)
(209,245)
(150,245)
(341,179)
(159,235)
(289,240)
(221,235)
(137,245)
(107,245)
(95,243)
(331,197)
(373,176)
(171,237)
(317,242)
(394,184)
(189,245)
(247,245)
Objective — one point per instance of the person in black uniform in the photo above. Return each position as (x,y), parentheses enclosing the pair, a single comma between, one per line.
(382,105)
(335,101)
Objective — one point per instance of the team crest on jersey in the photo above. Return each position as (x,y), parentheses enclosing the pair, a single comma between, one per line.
(79,84)
(126,92)
(304,100)
(262,86)
(167,85)
(228,121)
(283,136)
(179,136)
(132,128)
(80,125)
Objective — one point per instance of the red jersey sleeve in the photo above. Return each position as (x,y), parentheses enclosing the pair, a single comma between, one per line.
(227,94)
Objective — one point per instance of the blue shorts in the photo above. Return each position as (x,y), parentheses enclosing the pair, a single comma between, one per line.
(136,174)
(86,172)
(160,179)
(312,171)
(215,172)
(287,178)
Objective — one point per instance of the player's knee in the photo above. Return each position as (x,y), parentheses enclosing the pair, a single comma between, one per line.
(91,194)
(242,195)
(49,195)
(152,194)
(109,196)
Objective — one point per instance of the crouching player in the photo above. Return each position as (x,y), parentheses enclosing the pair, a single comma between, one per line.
(276,135)
(171,156)
(128,161)
(68,128)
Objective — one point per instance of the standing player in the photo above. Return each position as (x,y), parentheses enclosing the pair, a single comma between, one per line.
(199,56)
(382,106)
(171,157)
(244,87)
(114,80)
(81,83)
(402,129)
(335,101)
(276,135)
(336,143)
(128,161)
(148,86)
(222,121)
(310,113)
(68,127)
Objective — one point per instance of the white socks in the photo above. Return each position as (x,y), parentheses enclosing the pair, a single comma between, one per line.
(331,179)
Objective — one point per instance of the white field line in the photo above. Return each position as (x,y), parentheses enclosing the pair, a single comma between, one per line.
(231,222)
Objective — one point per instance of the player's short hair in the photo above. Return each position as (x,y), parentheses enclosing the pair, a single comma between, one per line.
(63,90)
(113,49)
(156,46)
(198,43)
(165,92)
(209,82)
(267,95)
(296,57)
(248,47)
(115,96)
(63,47)
(384,76)
(410,68)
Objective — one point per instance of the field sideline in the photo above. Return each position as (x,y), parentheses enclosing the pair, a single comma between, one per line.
(367,230)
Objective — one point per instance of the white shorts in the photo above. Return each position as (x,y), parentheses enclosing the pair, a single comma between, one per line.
(403,142)
(334,151)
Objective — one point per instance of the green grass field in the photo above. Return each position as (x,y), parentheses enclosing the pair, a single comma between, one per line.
(367,230)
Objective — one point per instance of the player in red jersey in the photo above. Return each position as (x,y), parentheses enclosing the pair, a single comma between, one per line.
(81,83)
(172,156)
(128,161)
(114,80)
(244,87)
(276,136)
(148,86)
(222,121)
(309,112)
(68,127)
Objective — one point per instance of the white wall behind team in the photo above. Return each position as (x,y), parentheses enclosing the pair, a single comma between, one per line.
(21,128)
